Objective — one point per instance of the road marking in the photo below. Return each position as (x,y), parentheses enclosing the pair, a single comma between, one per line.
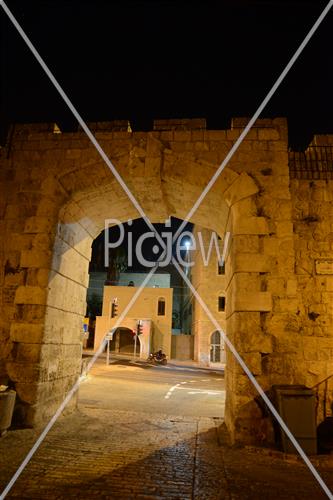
(210,393)
(201,390)
(170,367)
(170,391)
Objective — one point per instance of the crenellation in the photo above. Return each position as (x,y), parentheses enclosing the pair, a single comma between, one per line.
(268,134)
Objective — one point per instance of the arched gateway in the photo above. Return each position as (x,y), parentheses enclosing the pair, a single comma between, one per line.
(56,195)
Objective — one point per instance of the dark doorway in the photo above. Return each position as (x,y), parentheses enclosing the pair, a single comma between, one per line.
(123,342)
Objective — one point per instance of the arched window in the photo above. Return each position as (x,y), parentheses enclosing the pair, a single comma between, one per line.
(221,303)
(161,307)
(215,347)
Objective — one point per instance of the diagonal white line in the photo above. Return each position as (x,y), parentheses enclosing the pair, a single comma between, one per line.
(255,117)
(71,392)
(253,380)
(80,120)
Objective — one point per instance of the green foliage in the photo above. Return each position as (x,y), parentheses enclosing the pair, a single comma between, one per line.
(94,306)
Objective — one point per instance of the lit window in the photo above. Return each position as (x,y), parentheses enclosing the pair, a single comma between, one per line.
(221,304)
(161,307)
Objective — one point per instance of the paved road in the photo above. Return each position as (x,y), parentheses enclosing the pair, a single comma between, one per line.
(149,433)
(171,390)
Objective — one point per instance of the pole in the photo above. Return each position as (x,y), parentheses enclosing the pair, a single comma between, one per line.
(135,337)
(108,352)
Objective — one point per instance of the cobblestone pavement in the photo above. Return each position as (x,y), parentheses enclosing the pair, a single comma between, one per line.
(98,453)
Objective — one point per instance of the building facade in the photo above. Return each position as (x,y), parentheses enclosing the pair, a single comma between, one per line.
(152,310)
(207,275)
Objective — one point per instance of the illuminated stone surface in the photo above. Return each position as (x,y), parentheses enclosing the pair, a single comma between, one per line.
(56,193)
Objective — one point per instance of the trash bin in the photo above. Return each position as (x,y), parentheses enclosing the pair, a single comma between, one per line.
(296,405)
(7,402)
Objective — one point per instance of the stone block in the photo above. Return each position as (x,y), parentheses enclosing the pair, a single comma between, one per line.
(29,353)
(253,362)
(273,364)
(182,135)
(244,283)
(250,225)
(246,243)
(215,135)
(38,224)
(244,208)
(325,343)
(43,277)
(254,301)
(29,333)
(319,368)
(197,135)
(27,392)
(285,304)
(35,258)
(287,342)
(201,146)
(284,229)
(250,262)
(242,187)
(167,135)
(23,372)
(252,341)
(233,134)
(276,285)
(268,134)
(30,295)
(154,146)
(291,287)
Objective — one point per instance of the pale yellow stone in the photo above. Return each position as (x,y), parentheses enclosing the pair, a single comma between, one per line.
(243,187)
(258,301)
(250,225)
(250,262)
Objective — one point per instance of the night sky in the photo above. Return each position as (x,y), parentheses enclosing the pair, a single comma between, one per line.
(141,60)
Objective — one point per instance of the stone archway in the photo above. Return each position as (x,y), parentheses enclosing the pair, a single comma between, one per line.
(61,205)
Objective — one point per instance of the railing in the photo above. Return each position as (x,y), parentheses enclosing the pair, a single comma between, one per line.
(327,402)
(314,163)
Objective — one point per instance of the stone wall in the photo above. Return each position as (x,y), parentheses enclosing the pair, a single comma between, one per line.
(56,193)
(311,324)
(182,347)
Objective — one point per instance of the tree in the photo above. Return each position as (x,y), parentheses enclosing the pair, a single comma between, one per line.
(94,306)
(117,265)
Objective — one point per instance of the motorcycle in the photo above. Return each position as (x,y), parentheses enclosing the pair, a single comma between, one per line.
(157,357)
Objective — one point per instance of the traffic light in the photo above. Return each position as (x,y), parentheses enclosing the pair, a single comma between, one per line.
(114,308)
(139,328)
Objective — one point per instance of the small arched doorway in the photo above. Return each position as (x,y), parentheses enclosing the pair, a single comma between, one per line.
(123,342)
(216,348)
